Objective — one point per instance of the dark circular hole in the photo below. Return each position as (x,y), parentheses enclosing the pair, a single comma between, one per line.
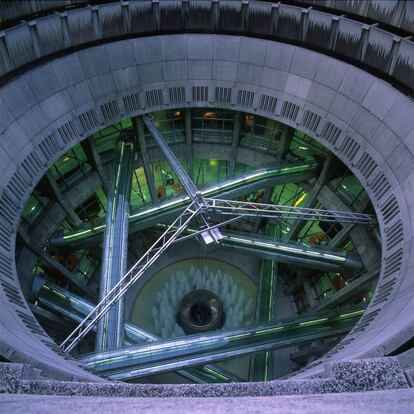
(200,313)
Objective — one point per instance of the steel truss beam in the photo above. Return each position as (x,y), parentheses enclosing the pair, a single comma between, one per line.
(248,209)
(120,289)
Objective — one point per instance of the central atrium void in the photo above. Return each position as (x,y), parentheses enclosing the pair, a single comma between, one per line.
(273,295)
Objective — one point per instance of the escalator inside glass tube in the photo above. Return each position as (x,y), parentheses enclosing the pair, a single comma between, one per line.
(274,295)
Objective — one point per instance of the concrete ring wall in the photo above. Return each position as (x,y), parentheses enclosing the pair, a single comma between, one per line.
(362,119)
(396,14)
(366,45)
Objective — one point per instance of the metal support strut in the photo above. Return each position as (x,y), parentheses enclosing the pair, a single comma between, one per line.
(210,233)
(120,289)
(189,187)
(243,208)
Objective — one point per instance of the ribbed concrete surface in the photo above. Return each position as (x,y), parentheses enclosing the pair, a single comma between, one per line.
(363,120)
(387,402)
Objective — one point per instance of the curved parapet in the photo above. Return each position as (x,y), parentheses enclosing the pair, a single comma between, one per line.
(389,55)
(366,122)
(396,14)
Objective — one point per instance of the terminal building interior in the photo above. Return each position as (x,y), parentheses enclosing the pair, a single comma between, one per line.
(203,199)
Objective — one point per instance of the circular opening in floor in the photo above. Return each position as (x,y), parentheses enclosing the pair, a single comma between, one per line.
(200,311)
(265,271)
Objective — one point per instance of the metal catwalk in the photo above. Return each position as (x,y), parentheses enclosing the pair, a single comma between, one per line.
(296,253)
(233,187)
(110,332)
(75,308)
(185,352)
(208,233)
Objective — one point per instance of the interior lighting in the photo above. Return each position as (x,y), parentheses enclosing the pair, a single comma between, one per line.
(249,119)
(270,330)
(313,322)
(355,313)
(299,200)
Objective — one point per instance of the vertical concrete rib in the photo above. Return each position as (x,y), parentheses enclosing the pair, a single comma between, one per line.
(140,142)
(110,332)
(235,144)
(262,364)
(94,158)
(189,141)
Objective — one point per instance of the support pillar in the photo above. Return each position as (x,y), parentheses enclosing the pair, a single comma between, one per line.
(363,242)
(110,332)
(235,144)
(285,140)
(63,201)
(312,198)
(141,144)
(266,199)
(94,158)
(189,142)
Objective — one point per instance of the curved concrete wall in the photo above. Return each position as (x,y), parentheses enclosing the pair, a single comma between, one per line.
(368,46)
(363,120)
(397,13)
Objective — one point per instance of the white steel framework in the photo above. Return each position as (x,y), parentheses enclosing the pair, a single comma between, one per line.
(208,232)
(120,289)
(249,209)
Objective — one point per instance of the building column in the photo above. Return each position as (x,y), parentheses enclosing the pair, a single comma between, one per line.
(64,202)
(266,199)
(110,332)
(312,197)
(285,140)
(50,262)
(235,144)
(189,141)
(363,242)
(141,144)
(347,293)
(309,294)
(94,158)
